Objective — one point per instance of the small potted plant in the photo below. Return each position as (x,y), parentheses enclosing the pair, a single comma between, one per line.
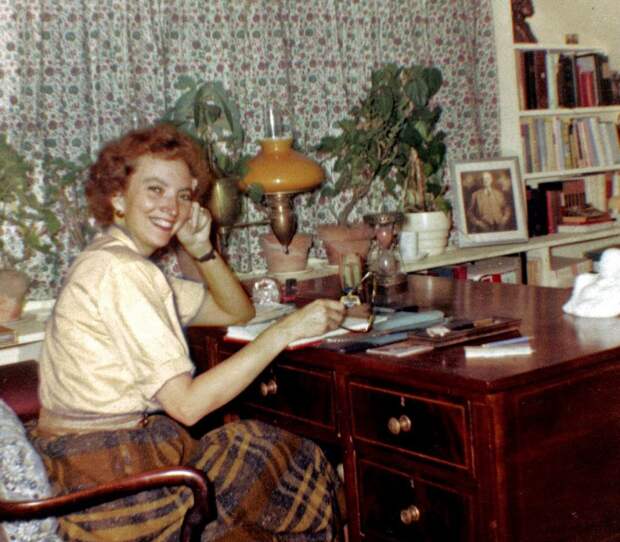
(391,136)
(31,215)
(206,111)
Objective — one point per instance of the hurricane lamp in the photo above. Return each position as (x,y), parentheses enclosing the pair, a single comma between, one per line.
(282,172)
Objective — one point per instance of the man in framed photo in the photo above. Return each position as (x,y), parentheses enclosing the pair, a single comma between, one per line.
(489,209)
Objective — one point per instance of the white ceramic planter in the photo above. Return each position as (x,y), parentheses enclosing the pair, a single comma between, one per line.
(433,230)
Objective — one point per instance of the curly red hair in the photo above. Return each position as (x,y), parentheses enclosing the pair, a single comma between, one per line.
(109,175)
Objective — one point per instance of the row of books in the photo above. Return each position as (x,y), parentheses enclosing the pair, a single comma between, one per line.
(556,143)
(505,269)
(551,80)
(572,206)
(559,271)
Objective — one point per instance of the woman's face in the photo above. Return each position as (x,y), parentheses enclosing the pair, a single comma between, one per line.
(156,202)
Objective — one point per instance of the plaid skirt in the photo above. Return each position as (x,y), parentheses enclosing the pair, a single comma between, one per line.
(270,485)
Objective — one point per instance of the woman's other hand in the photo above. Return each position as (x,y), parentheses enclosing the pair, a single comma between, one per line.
(316,318)
(194,235)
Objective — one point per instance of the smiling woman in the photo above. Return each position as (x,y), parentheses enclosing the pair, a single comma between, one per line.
(116,378)
(157,202)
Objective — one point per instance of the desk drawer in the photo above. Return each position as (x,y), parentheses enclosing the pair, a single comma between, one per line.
(395,506)
(306,394)
(429,428)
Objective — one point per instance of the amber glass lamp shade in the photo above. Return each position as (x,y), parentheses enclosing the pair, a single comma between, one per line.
(280,169)
(282,172)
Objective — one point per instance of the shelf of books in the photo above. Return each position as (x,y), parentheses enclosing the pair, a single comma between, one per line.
(567,112)
(559,111)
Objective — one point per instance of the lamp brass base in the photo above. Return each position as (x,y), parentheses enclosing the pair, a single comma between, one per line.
(282,217)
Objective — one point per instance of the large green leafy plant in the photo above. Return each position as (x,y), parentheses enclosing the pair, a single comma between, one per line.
(32,213)
(392,136)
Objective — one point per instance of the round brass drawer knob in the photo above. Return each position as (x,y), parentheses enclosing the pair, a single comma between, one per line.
(396,425)
(410,515)
(268,388)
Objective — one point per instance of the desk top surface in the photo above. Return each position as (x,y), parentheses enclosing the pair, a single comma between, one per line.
(561,342)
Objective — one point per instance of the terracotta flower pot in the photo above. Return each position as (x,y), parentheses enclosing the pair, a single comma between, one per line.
(340,240)
(277,259)
(13,288)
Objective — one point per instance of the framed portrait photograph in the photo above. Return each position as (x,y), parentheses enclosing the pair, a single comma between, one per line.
(489,202)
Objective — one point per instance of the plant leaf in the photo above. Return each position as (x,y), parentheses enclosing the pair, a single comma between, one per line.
(433,79)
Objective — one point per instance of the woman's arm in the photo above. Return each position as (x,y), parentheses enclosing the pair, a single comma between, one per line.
(226,302)
(188,400)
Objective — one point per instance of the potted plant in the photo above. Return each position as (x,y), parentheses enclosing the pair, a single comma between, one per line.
(391,136)
(30,214)
(206,111)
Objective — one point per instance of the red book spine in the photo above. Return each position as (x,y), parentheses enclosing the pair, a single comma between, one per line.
(459,272)
(493,277)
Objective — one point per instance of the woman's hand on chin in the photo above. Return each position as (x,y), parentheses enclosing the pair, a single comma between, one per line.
(195,233)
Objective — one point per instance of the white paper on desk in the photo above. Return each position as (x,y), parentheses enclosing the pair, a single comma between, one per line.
(498,351)
(249,332)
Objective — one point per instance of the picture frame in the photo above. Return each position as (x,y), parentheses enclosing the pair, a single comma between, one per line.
(489,203)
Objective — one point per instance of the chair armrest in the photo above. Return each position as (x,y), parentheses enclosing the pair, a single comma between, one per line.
(19,384)
(195,519)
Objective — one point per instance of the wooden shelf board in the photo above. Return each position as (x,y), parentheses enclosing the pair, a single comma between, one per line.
(455,255)
(557,47)
(574,111)
(534,179)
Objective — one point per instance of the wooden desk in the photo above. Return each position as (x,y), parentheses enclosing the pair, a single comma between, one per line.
(515,449)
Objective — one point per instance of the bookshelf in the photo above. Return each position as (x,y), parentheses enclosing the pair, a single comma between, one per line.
(517,109)
(577,244)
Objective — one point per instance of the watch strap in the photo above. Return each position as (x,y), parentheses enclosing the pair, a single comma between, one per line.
(210,255)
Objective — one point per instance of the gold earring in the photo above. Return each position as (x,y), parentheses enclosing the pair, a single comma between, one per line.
(119,213)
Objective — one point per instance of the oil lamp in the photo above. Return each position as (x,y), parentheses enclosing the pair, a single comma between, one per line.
(282,172)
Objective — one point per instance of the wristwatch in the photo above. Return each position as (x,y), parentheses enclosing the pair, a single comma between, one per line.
(210,255)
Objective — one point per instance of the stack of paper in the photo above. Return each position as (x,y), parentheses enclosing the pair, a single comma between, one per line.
(249,332)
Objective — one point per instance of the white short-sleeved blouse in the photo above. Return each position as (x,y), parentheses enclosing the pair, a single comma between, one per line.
(115,335)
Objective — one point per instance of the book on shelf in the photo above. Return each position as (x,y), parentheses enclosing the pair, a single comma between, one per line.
(536,212)
(582,80)
(551,144)
(574,193)
(584,215)
(544,208)
(532,79)
(504,269)
(605,80)
(521,81)
(594,67)
(585,66)
(566,81)
(586,228)
(580,201)
(553,201)
(612,139)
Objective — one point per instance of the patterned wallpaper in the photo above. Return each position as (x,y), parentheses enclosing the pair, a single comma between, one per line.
(78,72)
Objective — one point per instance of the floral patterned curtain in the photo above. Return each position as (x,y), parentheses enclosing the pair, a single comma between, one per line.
(79,72)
